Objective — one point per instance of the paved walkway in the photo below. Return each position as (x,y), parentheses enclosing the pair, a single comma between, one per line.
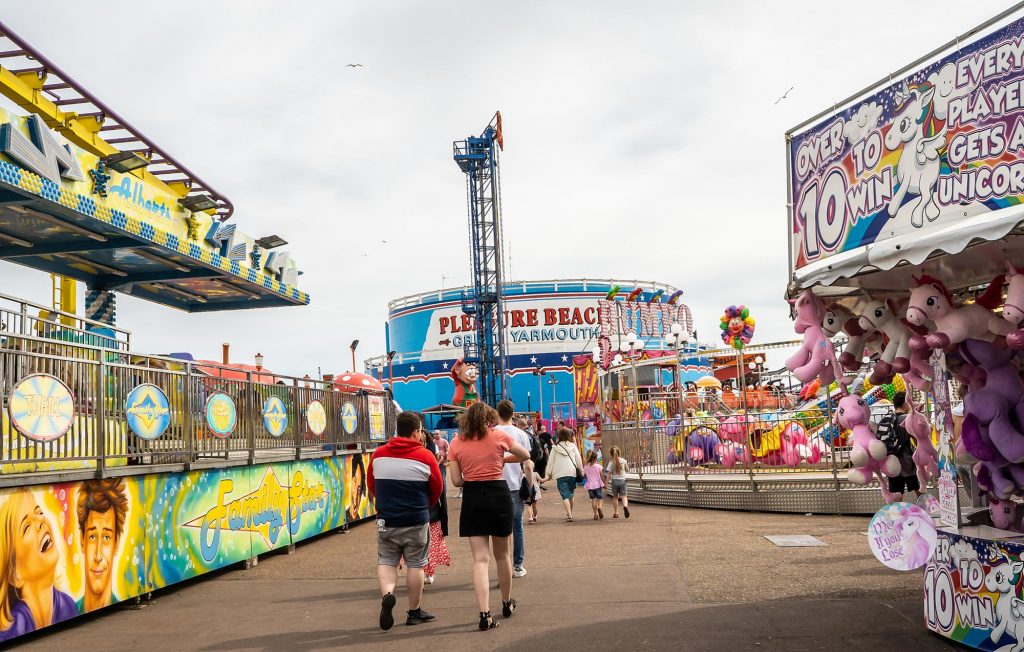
(666,579)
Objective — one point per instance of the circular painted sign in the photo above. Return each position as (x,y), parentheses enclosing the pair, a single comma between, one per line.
(148,411)
(316,417)
(41,407)
(221,415)
(275,416)
(349,419)
(902,536)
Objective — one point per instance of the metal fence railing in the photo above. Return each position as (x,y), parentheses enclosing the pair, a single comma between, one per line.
(21,317)
(209,411)
(732,445)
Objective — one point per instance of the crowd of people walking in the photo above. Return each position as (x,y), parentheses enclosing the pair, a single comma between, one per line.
(501,466)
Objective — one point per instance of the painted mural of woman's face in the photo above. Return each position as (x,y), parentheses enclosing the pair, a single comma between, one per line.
(35,551)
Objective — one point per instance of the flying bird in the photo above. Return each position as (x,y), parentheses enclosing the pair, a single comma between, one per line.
(353,65)
(784,95)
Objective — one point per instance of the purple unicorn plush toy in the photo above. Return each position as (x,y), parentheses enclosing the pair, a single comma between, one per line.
(994,407)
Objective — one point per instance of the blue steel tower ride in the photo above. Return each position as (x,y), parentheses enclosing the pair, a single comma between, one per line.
(477,157)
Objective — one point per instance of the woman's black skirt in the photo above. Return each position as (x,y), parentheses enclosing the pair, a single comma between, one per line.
(486,509)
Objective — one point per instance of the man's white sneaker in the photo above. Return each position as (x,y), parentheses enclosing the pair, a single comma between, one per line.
(518,571)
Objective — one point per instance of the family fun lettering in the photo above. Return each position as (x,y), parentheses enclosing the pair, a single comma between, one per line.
(265,511)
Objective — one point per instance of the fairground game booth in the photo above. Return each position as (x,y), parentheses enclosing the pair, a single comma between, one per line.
(906,215)
(122,472)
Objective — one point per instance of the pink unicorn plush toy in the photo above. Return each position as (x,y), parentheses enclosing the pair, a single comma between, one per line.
(1013,309)
(926,458)
(814,358)
(930,301)
(881,316)
(868,456)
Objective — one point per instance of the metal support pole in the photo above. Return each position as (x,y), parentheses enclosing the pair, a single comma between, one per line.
(835,437)
(189,434)
(296,419)
(101,419)
(249,405)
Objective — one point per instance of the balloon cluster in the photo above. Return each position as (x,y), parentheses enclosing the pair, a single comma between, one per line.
(737,326)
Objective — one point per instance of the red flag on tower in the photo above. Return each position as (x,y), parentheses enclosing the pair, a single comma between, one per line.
(498,135)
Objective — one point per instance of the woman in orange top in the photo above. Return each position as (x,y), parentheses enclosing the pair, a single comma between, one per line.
(476,458)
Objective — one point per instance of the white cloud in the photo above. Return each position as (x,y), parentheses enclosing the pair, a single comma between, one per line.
(961,550)
(862,122)
(641,140)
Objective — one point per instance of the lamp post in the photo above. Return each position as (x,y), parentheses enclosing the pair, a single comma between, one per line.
(352,347)
(538,372)
(757,366)
(632,346)
(552,381)
(391,383)
(677,340)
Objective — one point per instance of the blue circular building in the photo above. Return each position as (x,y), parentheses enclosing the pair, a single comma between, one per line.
(546,322)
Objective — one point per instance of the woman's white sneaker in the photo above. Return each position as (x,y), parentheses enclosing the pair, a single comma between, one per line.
(518,571)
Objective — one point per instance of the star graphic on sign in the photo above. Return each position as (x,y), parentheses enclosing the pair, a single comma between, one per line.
(533,359)
(445,365)
(565,358)
(412,367)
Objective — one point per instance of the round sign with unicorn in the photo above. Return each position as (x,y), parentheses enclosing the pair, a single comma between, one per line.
(902,536)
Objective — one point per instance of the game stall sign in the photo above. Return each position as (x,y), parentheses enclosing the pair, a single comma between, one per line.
(148,412)
(221,414)
(275,416)
(316,417)
(972,587)
(349,418)
(375,408)
(927,161)
(41,408)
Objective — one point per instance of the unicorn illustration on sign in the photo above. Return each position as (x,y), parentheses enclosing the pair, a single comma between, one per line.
(913,129)
(1002,579)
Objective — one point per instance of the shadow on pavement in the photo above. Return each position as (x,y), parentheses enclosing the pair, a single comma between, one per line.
(791,625)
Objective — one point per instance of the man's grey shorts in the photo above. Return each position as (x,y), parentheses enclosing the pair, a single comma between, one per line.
(413,543)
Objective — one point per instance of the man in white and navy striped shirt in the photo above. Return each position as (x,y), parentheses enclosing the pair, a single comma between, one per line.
(405,481)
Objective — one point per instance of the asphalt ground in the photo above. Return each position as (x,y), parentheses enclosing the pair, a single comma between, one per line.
(665,579)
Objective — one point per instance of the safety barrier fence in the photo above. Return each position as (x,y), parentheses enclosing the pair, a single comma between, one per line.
(735,445)
(122,409)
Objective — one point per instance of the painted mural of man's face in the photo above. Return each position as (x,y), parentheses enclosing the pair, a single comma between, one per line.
(102,508)
(100,544)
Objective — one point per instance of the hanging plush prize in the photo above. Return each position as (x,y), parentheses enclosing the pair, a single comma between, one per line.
(737,327)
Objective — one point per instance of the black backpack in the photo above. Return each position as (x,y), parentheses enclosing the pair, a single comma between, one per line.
(892,433)
(536,450)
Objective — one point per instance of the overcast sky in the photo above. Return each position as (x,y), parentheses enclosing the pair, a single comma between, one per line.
(641,140)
